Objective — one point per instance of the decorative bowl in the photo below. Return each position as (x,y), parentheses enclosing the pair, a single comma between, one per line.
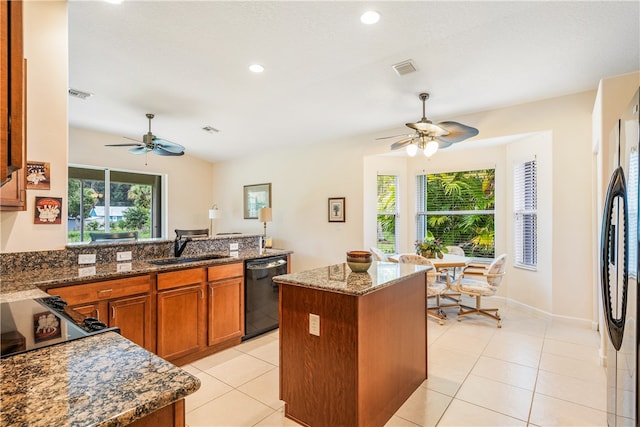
(360,255)
(359,267)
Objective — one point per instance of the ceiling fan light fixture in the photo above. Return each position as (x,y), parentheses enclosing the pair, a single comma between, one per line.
(431,148)
(412,149)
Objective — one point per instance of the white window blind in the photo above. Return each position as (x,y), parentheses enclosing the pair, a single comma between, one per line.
(632,201)
(525,214)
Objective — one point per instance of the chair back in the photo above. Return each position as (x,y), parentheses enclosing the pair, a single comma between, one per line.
(495,271)
(378,255)
(420,260)
(108,237)
(455,250)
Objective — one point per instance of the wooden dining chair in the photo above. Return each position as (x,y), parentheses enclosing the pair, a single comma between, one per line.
(435,286)
(479,286)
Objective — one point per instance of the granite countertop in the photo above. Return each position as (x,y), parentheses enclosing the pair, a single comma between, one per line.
(101,380)
(339,277)
(27,283)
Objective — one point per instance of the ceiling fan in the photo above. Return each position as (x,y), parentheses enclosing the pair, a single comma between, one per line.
(429,137)
(152,143)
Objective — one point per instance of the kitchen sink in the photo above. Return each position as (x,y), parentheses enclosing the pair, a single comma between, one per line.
(184,260)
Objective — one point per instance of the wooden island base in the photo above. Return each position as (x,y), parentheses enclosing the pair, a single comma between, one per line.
(370,356)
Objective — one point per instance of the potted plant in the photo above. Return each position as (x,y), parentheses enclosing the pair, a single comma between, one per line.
(431,247)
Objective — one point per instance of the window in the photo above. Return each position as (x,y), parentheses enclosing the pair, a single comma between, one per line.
(458,209)
(387,206)
(112,201)
(525,202)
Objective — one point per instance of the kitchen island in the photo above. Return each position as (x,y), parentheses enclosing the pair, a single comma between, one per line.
(353,346)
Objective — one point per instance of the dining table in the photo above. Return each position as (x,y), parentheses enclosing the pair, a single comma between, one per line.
(447,261)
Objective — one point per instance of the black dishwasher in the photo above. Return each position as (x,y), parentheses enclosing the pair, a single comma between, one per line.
(261,294)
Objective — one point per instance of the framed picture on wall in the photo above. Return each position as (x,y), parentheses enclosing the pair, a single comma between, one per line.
(48,210)
(255,197)
(38,175)
(336,209)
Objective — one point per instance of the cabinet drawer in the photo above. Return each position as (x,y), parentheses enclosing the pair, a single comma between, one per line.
(225,271)
(175,279)
(109,289)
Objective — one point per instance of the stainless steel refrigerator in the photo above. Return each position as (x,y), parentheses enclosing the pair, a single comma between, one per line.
(619,269)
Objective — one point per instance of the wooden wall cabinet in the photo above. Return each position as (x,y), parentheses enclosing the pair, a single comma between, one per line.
(125,303)
(12,106)
(181,327)
(226,303)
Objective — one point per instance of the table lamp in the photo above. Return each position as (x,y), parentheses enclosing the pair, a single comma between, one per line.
(214,213)
(264,215)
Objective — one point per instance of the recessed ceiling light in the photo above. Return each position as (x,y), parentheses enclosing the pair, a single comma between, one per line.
(114,1)
(370,17)
(256,68)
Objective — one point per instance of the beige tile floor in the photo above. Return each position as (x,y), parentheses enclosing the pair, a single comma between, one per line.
(529,372)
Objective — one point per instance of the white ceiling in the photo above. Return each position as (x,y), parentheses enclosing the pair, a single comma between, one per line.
(327,75)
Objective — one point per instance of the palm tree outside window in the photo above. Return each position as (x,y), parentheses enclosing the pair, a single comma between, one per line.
(458,208)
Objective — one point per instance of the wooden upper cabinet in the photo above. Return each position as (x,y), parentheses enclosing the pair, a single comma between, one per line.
(12,107)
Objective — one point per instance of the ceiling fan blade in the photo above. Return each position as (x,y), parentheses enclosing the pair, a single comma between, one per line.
(402,143)
(457,132)
(395,136)
(139,150)
(160,151)
(126,144)
(169,146)
(443,144)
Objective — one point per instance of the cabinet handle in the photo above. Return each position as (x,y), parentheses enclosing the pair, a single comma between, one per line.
(201,294)
(104,293)
(97,313)
(113,312)
(211,289)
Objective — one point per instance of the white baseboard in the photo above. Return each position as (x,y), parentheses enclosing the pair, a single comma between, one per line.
(555,318)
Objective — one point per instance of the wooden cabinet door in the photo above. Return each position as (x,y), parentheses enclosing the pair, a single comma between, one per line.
(226,310)
(133,317)
(180,322)
(12,111)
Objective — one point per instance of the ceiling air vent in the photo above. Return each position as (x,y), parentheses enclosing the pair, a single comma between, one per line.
(404,67)
(79,94)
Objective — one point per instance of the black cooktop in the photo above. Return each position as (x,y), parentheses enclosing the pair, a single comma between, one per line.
(35,323)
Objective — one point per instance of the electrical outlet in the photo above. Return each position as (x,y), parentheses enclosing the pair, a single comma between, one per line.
(314,324)
(233,246)
(123,266)
(123,256)
(234,254)
(87,259)
(87,271)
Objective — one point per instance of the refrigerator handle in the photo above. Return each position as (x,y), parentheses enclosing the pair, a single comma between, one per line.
(608,247)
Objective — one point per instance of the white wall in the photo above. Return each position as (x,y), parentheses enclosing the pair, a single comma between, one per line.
(46,51)
(304,178)
(189,183)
